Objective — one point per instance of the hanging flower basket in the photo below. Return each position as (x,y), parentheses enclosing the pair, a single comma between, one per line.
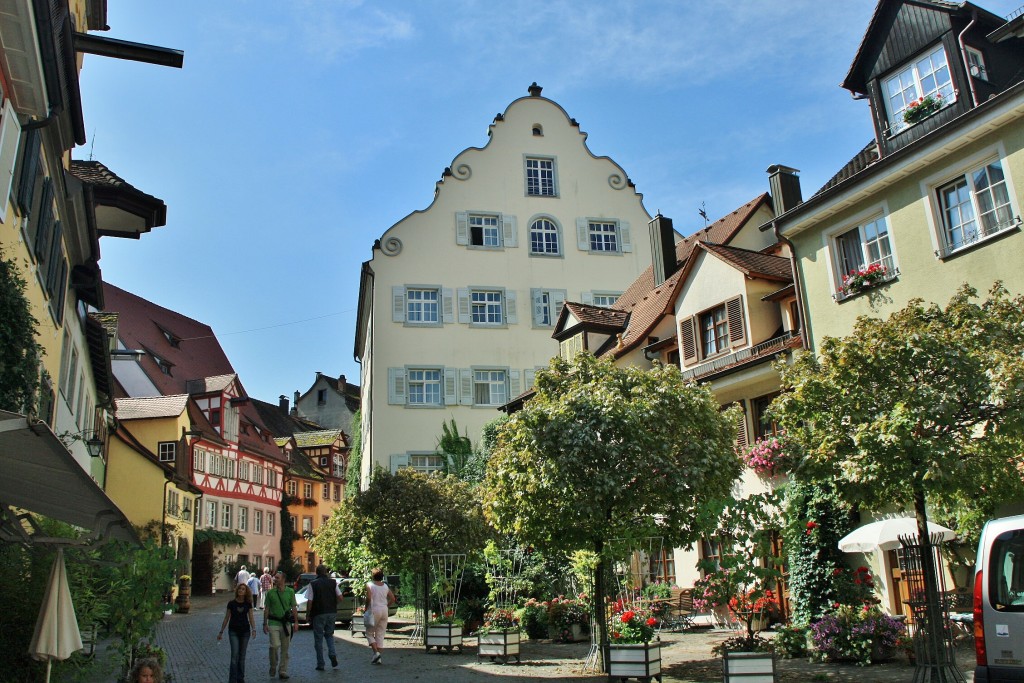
(770,456)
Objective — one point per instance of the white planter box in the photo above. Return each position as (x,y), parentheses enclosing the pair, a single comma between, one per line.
(504,644)
(358,625)
(642,660)
(749,667)
(444,636)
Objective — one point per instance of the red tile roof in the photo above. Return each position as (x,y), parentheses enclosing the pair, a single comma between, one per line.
(198,356)
(753,263)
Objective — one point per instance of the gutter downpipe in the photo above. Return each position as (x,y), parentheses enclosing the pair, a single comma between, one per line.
(163,515)
(963,55)
(797,284)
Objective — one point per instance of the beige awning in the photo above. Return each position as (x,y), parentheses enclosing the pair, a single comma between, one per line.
(40,475)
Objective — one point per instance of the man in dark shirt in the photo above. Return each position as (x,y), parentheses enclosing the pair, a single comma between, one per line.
(322,594)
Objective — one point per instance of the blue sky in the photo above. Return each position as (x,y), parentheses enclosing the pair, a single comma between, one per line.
(298,131)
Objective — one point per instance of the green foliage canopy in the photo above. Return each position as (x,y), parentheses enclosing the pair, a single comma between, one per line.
(926,405)
(603,452)
(20,354)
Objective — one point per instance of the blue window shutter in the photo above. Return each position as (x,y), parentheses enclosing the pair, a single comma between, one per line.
(10,134)
(451,381)
(583,234)
(465,315)
(509,232)
(466,388)
(625,236)
(515,386)
(29,169)
(398,304)
(399,461)
(511,315)
(588,298)
(462,228)
(44,222)
(447,306)
(396,386)
(557,301)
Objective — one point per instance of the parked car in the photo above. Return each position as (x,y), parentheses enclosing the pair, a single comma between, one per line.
(999,602)
(303,580)
(348,603)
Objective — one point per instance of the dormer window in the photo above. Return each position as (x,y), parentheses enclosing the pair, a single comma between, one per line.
(926,76)
(162,363)
(172,339)
(976,64)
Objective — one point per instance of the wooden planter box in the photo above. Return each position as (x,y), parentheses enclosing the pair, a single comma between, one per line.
(642,660)
(444,636)
(503,644)
(749,667)
(572,634)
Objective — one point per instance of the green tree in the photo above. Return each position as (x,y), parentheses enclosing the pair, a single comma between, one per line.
(355,457)
(923,409)
(602,452)
(20,353)
(460,458)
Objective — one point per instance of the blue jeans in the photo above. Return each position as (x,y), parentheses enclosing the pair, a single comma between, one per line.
(239,643)
(323,629)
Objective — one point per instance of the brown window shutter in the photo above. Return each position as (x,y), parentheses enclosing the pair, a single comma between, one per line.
(687,340)
(741,430)
(737,332)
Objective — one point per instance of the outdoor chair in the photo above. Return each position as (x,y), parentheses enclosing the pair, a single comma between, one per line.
(680,614)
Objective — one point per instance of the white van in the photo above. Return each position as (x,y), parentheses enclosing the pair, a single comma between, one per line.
(999,602)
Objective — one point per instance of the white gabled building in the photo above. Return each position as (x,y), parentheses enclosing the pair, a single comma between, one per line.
(459,301)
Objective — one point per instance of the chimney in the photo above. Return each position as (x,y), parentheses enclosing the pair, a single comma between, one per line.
(784,184)
(663,248)
(282,404)
(341,382)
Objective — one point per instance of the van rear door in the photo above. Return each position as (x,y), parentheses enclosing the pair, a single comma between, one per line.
(1000,581)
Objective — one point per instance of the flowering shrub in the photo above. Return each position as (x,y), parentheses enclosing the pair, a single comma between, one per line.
(859,280)
(708,591)
(631,626)
(922,108)
(768,457)
(851,633)
(446,617)
(564,613)
(534,618)
(499,620)
(791,641)
(753,602)
(659,594)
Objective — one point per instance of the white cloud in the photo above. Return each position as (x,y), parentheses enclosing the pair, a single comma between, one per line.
(342,28)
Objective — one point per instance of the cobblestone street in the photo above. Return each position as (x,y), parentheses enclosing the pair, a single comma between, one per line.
(195,657)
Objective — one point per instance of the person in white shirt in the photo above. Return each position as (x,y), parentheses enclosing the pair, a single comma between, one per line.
(242,577)
(378,598)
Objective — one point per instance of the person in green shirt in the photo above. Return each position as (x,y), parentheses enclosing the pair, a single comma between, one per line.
(280,622)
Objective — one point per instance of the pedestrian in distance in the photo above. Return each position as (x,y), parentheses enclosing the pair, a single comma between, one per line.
(146,670)
(242,577)
(322,595)
(266,583)
(254,587)
(241,626)
(378,598)
(280,621)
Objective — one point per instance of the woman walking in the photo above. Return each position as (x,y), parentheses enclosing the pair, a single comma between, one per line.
(378,598)
(241,626)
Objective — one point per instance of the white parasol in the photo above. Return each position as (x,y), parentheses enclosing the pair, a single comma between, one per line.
(884,535)
(56,635)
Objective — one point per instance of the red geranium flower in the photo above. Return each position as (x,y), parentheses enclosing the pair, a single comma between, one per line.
(627,616)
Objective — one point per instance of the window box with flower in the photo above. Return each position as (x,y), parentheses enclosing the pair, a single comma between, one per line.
(770,456)
(633,651)
(922,108)
(863,279)
(499,637)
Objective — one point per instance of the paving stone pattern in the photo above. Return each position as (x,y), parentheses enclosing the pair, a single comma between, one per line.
(196,657)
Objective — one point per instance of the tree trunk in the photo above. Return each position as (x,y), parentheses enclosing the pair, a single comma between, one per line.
(600,608)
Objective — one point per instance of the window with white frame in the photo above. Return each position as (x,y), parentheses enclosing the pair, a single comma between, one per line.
(490,387)
(544,238)
(243,470)
(307,525)
(272,478)
(257,473)
(926,76)
(166,450)
(186,508)
(605,299)
(293,488)
(603,236)
(486,307)
(327,492)
(211,513)
(540,177)
(199,514)
(547,304)
(426,462)
(714,331)
(270,523)
(976,63)
(484,230)
(424,387)
(974,206)
(257,521)
(243,518)
(225,512)
(421,306)
(307,490)
(861,247)
(173,503)
(199,460)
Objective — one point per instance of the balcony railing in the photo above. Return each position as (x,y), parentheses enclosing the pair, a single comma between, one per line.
(764,348)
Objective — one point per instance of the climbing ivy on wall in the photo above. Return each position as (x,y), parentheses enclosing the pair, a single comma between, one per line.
(20,353)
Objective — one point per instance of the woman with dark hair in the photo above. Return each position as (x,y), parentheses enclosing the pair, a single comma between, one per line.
(241,626)
(378,598)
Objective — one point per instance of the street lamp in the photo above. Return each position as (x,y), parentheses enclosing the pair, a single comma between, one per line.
(94,446)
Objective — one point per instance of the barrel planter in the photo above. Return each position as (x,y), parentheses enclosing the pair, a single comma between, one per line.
(640,660)
(500,644)
(444,637)
(184,599)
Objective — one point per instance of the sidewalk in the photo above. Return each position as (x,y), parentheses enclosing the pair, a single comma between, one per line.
(195,657)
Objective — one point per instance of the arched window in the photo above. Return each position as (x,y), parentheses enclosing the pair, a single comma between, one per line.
(544,237)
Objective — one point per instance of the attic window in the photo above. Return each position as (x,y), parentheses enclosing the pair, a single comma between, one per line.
(162,363)
(321,397)
(976,64)
(171,339)
(927,76)
(538,130)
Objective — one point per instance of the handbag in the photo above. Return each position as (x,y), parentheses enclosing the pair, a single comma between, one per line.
(368,619)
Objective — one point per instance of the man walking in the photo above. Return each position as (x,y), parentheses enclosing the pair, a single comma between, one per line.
(242,577)
(280,621)
(266,583)
(322,594)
